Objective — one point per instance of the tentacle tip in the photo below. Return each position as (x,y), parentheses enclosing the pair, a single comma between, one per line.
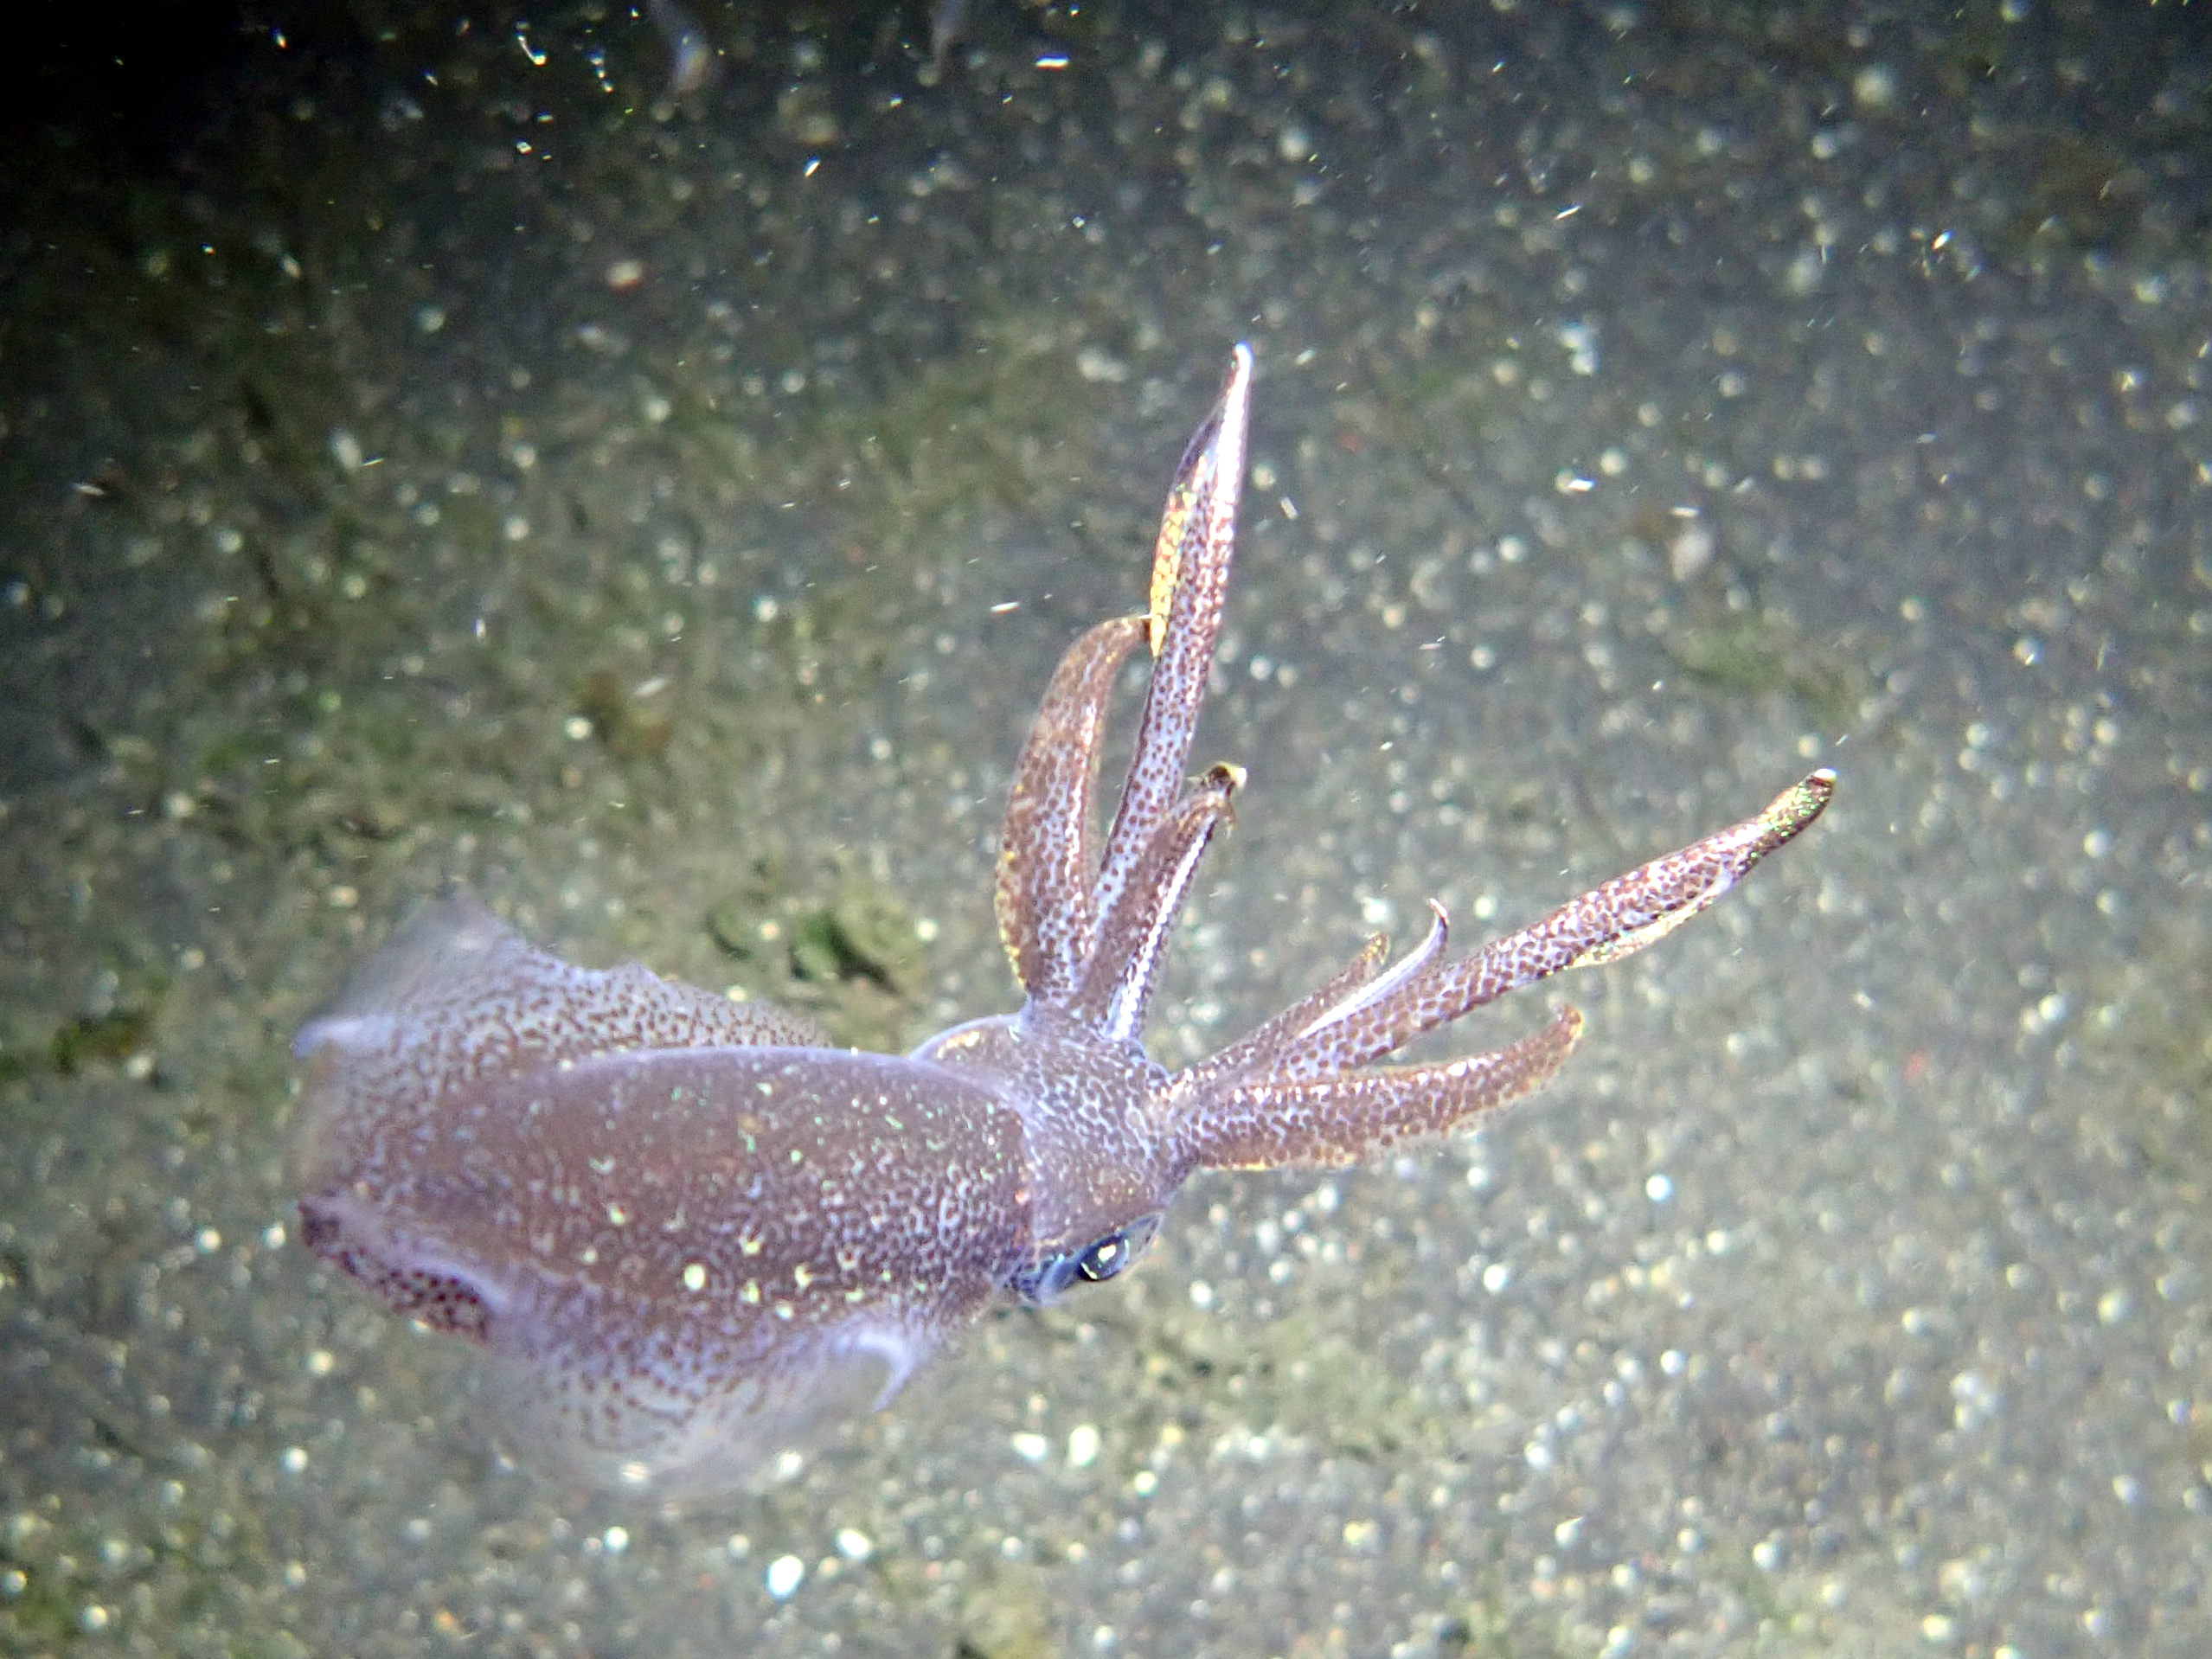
(1804,801)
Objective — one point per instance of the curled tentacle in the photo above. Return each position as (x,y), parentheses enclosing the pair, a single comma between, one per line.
(1417,962)
(1343,1118)
(1256,1050)
(1353,987)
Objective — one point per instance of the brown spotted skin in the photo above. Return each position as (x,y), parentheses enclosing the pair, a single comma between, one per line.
(694,1237)
(638,1233)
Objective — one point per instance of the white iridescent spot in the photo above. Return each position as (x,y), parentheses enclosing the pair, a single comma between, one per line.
(786,1573)
(694,1276)
(1082,1446)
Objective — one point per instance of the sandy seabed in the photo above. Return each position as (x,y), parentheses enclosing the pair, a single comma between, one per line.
(434,453)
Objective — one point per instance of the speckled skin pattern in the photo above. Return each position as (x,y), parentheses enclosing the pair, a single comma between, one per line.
(694,1235)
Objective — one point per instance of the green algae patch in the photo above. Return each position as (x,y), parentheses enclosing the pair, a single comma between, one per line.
(834,945)
(1747,654)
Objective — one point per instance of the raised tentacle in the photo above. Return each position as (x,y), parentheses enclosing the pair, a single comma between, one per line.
(1343,1118)
(1191,571)
(1046,859)
(1132,935)
(1611,921)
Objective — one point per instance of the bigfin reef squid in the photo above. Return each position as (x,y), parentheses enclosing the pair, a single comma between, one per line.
(694,1236)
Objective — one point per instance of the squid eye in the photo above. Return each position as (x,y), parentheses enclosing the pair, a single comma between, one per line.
(1114,1253)
(1101,1259)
